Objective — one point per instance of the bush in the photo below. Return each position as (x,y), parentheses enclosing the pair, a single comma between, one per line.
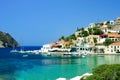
(107,42)
(106,72)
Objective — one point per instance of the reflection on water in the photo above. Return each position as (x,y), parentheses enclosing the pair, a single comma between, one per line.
(50,69)
(115,59)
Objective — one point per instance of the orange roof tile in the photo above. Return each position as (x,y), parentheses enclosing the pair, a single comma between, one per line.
(67,42)
(104,27)
(115,44)
(115,35)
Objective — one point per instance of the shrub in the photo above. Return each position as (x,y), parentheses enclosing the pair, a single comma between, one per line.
(106,72)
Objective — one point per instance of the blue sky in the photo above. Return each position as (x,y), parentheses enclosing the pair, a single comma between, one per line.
(36,22)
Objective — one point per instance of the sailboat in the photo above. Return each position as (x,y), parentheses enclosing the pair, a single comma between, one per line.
(22,51)
(14,50)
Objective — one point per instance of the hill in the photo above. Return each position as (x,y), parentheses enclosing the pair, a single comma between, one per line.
(6,40)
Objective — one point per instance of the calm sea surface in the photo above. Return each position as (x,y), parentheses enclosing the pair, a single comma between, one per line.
(12,67)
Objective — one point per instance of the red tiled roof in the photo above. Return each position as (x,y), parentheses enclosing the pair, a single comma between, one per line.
(104,27)
(115,35)
(115,44)
(55,44)
(67,42)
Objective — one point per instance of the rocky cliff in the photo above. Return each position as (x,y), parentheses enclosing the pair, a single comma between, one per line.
(6,40)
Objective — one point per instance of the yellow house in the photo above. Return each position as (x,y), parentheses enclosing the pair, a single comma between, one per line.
(117,21)
(91,39)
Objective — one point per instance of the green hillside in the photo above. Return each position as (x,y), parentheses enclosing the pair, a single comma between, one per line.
(6,40)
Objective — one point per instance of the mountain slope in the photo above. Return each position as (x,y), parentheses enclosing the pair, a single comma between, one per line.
(6,40)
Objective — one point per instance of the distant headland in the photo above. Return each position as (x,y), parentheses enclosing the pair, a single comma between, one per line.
(6,40)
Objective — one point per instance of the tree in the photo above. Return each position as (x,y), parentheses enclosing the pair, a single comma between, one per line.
(82,29)
(84,33)
(63,38)
(107,42)
(95,40)
(78,29)
(101,24)
(94,28)
(98,32)
(108,24)
(67,39)
(73,36)
(79,35)
(90,30)
(70,38)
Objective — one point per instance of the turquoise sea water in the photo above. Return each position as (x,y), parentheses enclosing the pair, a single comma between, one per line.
(16,68)
(51,69)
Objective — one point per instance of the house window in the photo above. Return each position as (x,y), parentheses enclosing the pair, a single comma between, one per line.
(114,46)
(105,30)
(117,50)
(112,39)
(107,46)
(111,46)
(111,50)
(108,50)
(117,46)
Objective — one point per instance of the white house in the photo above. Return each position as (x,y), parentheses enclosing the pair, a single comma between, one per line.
(112,22)
(113,48)
(104,28)
(91,25)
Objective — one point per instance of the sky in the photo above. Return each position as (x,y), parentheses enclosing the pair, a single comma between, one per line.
(37,22)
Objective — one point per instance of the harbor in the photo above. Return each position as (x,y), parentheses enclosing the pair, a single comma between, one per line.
(52,53)
(39,68)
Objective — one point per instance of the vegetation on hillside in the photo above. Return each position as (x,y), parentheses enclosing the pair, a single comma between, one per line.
(83,33)
(8,40)
(69,38)
(105,72)
(97,31)
(107,42)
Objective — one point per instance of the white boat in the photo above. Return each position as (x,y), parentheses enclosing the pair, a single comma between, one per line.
(83,56)
(21,51)
(48,48)
(14,51)
(25,56)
